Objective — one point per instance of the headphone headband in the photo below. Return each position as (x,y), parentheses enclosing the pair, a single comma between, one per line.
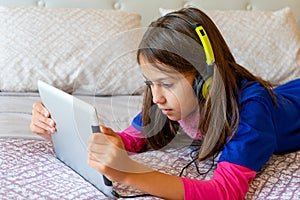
(210,58)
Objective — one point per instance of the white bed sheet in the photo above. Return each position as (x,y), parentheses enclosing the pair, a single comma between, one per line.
(15,112)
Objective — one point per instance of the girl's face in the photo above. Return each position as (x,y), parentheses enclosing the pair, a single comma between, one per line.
(172,91)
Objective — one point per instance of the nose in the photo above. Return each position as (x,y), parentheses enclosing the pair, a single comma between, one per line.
(157,95)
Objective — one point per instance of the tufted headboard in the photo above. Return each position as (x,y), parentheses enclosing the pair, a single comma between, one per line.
(149,9)
(65,45)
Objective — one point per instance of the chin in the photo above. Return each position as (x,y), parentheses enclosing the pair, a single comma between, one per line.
(173,118)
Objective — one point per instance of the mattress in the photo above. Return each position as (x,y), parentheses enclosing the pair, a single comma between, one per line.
(30,170)
(15,112)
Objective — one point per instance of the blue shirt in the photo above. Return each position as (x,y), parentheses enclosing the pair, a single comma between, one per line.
(264,129)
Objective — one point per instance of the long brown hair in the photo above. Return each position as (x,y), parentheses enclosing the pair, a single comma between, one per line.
(170,40)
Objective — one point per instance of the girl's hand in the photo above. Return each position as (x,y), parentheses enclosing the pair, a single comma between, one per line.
(41,123)
(108,155)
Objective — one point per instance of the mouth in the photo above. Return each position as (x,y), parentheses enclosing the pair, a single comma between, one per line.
(166,111)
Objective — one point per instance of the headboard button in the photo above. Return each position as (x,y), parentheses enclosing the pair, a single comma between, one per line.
(41,3)
(249,7)
(187,4)
(117,6)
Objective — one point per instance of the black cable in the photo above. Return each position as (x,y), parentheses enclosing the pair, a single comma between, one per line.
(185,167)
(191,162)
(130,196)
(194,159)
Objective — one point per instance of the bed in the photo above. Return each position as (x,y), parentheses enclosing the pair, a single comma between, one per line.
(71,45)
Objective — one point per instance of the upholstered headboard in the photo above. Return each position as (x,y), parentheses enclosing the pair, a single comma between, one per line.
(66,45)
(149,9)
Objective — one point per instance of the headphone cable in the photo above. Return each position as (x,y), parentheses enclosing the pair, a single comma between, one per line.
(194,159)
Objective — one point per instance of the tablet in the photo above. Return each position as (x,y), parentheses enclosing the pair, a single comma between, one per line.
(75,121)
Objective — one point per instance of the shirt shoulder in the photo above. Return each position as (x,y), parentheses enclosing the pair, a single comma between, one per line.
(255,140)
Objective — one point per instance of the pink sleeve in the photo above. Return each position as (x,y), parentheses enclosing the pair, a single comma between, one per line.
(133,140)
(230,181)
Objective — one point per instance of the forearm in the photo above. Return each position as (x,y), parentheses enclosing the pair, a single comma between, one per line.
(155,183)
(230,181)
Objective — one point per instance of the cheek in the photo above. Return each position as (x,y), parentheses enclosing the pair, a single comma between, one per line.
(186,92)
(185,99)
(189,104)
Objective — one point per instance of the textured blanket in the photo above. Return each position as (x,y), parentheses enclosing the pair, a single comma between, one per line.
(30,170)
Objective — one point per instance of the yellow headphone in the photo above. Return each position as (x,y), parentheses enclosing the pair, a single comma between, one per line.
(210,58)
(201,85)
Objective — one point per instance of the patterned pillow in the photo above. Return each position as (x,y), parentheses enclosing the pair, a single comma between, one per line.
(265,42)
(77,50)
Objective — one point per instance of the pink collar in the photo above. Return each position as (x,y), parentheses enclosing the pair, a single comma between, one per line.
(190,125)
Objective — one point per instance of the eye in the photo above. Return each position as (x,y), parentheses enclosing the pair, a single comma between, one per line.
(167,85)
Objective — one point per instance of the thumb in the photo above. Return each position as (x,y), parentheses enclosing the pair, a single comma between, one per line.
(106,130)
(112,137)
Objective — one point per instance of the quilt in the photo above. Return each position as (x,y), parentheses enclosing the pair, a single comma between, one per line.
(30,170)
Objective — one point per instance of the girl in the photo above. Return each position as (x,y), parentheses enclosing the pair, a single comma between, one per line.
(193,82)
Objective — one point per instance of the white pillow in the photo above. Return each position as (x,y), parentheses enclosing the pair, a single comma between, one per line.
(59,45)
(265,42)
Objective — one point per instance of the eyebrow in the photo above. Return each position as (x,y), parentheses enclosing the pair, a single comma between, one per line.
(159,79)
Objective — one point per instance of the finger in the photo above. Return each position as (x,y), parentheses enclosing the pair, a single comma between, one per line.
(109,138)
(38,106)
(48,121)
(97,144)
(99,155)
(99,148)
(38,118)
(41,132)
(97,138)
(110,134)
(104,137)
(36,115)
(36,129)
(43,126)
(106,130)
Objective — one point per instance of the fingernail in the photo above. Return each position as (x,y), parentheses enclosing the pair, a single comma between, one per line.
(101,128)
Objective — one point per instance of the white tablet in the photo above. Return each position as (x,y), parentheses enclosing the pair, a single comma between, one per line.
(75,121)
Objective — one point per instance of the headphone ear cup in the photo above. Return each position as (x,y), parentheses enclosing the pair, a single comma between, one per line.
(197,87)
(201,87)
(205,87)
